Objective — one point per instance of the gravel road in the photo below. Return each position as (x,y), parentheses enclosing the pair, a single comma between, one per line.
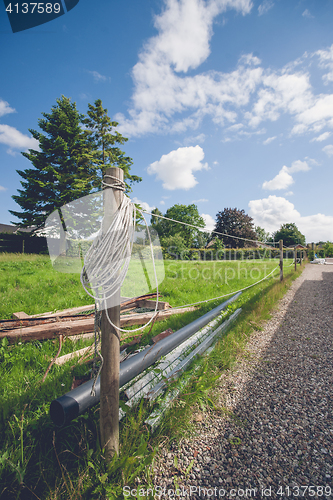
(277,438)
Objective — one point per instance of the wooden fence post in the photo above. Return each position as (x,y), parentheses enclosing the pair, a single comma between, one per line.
(110,342)
(281,259)
(295,253)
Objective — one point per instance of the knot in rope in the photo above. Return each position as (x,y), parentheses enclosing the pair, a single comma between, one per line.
(117,184)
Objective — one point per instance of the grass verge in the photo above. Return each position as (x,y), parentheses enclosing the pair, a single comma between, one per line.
(40,461)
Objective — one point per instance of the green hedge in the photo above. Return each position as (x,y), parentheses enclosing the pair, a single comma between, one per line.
(226,254)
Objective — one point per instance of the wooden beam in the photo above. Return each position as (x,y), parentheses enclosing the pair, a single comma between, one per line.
(64,312)
(125,303)
(20,315)
(72,355)
(281,259)
(110,338)
(81,326)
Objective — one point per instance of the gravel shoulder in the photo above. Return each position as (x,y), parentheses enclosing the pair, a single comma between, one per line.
(276,438)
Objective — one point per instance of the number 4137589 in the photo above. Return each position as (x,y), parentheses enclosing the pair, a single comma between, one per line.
(37,8)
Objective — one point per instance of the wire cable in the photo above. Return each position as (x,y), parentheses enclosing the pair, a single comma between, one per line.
(203,229)
(107,261)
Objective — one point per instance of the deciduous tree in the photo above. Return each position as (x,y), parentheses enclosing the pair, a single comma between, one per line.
(184,213)
(234,222)
(290,234)
(262,235)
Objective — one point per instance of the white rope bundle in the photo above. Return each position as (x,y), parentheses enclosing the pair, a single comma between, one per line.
(106,263)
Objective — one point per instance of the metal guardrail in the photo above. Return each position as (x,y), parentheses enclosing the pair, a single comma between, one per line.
(77,401)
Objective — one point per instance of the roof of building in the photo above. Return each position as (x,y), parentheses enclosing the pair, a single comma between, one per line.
(11,229)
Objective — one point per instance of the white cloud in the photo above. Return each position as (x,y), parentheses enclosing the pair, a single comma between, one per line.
(167,98)
(318,113)
(269,140)
(289,193)
(281,181)
(98,77)
(284,92)
(162,202)
(328,150)
(202,200)
(307,14)
(265,7)
(326,62)
(5,108)
(249,60)
(236,127)
(209,221)
(273,211)
(15,139)
(298,166)
(3,188)
(185,28)
(143,204)
(182,43)
(195,140)
(176,168)
(321,137)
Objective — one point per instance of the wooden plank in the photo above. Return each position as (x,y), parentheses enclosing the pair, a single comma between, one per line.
(50,330)
(72,355)
(80,352)
(125,301)
(20,315)
(150,304)
(141,319)
(64,312)
(161,335)
(79,326)
(32,322)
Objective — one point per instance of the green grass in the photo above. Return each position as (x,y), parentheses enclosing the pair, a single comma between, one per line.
(39,461)
(30,284)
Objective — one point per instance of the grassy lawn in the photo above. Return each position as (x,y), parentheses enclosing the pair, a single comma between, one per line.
(40,461)
(29,283)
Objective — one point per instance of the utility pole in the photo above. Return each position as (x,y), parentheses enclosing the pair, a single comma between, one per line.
(281,259)
(110,341)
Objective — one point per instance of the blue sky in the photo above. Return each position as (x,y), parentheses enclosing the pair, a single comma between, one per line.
(226,103)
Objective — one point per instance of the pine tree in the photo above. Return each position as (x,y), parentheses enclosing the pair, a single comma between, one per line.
(104,140)
(63,168)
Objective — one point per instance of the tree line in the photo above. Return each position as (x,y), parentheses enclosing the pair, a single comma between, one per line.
(74,152)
